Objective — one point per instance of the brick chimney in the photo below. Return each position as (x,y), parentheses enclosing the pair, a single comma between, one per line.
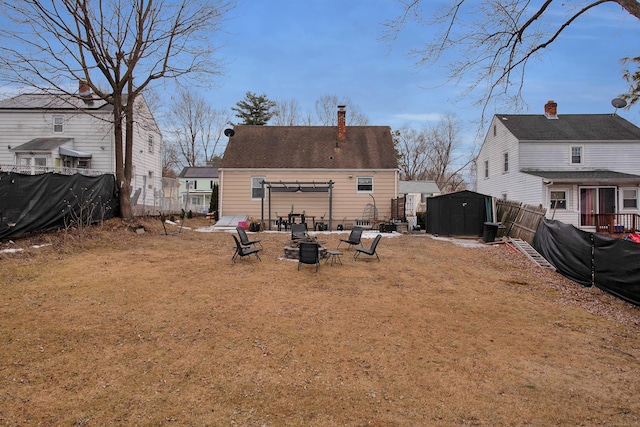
(84,90)
(342,123)
(551,110)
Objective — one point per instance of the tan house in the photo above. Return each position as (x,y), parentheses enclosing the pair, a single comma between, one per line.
(334,174)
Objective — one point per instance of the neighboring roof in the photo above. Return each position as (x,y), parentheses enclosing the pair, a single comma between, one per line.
(422,187)
(199,172)
(43,101)
(307,147)
(585,176)
(42,144)
(570,127)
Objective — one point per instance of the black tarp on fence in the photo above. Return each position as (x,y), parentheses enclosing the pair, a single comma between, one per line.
(612,265)
(51,201)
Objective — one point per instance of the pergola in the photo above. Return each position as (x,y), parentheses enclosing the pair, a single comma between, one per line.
(295,187)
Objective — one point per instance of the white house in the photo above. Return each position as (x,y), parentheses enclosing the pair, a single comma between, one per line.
(74,134)
(196,186)
(582,167)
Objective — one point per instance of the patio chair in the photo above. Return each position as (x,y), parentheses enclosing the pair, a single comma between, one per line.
(309,253)
(298,231)
(243,251)
(354,237)
(244,239)
(371,251)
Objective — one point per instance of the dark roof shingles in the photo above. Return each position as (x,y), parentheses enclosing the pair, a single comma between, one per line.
(304,147)
(570,127)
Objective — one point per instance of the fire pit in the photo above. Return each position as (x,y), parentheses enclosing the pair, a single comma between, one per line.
(291,251)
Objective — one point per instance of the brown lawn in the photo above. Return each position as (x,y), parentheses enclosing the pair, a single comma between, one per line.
(119,328)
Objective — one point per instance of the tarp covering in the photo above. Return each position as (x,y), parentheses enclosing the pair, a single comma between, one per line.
(612,265)
(51,201)
(617,267)
(566,248)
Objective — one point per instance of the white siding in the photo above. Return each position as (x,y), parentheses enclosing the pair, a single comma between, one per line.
(615,156)
(91,133)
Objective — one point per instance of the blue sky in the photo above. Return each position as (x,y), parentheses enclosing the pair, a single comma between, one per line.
(305,49)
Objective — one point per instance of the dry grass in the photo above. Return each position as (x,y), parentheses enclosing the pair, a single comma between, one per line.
(119,328)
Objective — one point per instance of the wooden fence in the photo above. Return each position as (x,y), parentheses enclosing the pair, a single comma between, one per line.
(519,220)
(397,209)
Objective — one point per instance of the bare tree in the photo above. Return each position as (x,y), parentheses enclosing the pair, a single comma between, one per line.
(493,40)
(170,160)
(411,146)
(446,162)
(326,108)
(287,113)
(118,47)
(196,128)
(433,153)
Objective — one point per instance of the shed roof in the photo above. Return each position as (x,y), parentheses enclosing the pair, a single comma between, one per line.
(307,147)
(570,127)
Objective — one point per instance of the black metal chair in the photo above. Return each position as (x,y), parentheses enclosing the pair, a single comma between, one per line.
(244,239)
(309,253)
(371,251)
(354,237)
(243,251)
(298,231)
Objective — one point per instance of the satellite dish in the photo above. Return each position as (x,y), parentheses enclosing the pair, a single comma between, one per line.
(230,132)
(618,103)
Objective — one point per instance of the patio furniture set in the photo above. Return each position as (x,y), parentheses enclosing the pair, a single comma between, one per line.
(306,249)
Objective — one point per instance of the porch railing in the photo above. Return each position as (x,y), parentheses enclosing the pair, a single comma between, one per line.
(617,223)
(36,170)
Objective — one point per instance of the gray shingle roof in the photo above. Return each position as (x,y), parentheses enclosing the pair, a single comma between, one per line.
(366,147)
(570,127)
(42,144)
(422,187)
(39,101)
(199,172)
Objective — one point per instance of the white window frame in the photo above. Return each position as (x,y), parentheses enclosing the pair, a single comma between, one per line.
(58,124)
(256,185)
(581,148)
(624,198)
(505,162)
(150,143)
(486,169)
(551,199)
(364,184)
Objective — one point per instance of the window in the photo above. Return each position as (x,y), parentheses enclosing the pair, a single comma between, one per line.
(151,174)
(151,143)
(630,199)
(58,124)
(486,168)
(257,192)
(495,131)
(576,155)
(505,157)
(365,184)
(558,200)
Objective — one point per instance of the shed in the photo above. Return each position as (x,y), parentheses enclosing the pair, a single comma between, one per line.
(458,214)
